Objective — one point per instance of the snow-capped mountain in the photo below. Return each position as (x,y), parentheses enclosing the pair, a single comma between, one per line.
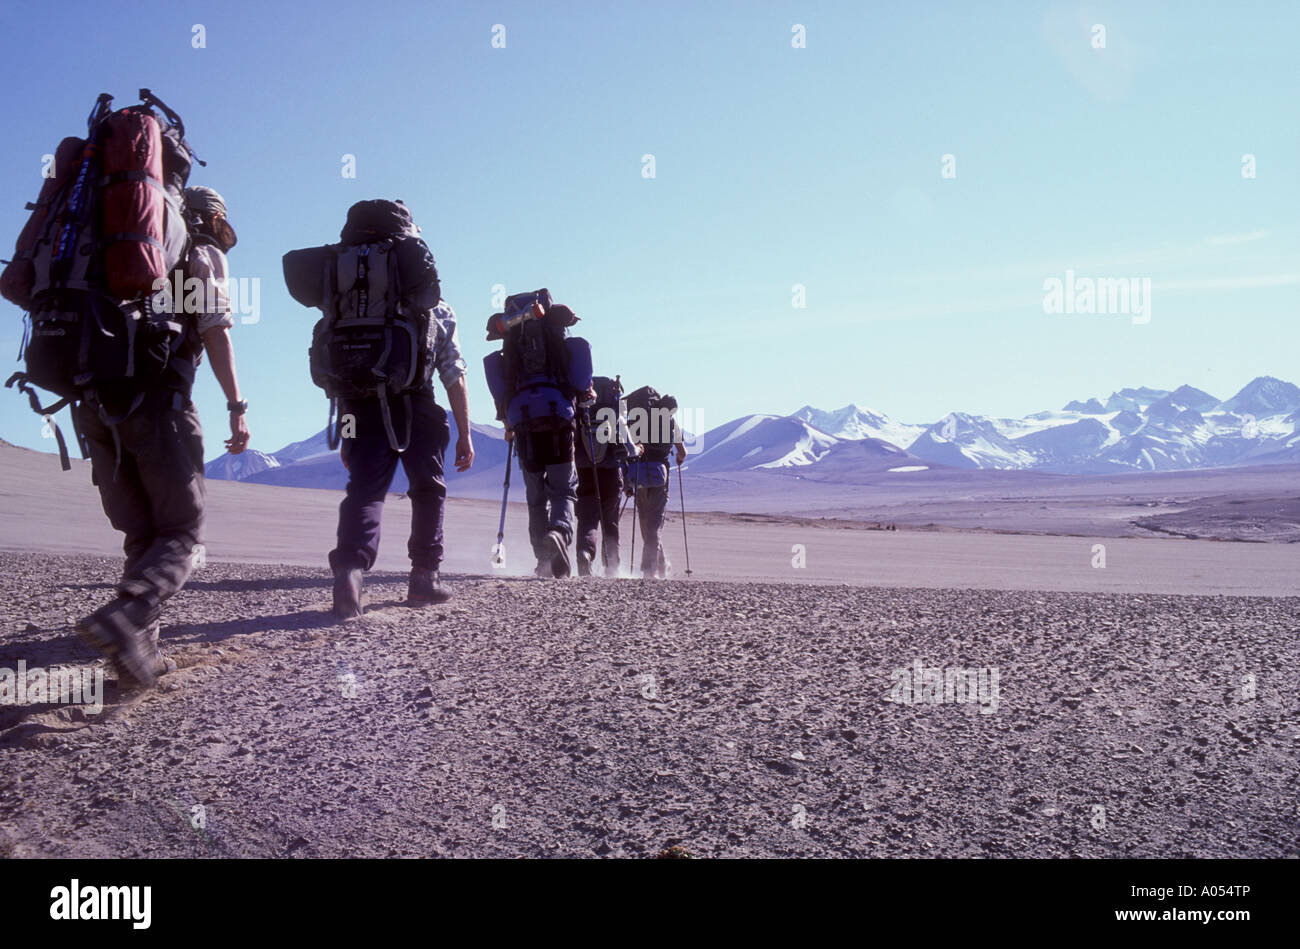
(1264,397)
(1134,429)
(1148,429)
(970,441)
(862,456)
(1069,444)
(1134,400)
(240,467)
(311,464)
(761,441)
(853,422)
(312,447)
(1185,397)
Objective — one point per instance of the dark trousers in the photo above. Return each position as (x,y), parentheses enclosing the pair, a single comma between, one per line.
(371,462)
(546,462)
(150,480)
(599,516)
(650,506)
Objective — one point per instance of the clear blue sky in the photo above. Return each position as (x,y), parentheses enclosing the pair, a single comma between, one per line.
(775,166)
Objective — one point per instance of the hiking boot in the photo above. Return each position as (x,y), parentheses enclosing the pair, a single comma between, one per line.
(426,588)
(347,592)
(584,564)
(558,551)
(159,663)
(121,630)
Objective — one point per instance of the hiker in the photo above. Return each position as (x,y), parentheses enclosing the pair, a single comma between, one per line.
(652,422)
(536,380)
(149,467)
(385,333)
(122,270)
(602,429)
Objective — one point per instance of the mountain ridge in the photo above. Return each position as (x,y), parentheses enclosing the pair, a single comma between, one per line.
(1134,429)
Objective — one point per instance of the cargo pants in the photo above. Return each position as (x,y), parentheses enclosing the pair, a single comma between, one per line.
(651,502)
(599,516)
(371,462)
(550,484)
(149,471)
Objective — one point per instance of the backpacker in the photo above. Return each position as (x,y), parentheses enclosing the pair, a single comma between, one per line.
(378,288)
(105,233)
(539,371)
(601,429)
(650,421)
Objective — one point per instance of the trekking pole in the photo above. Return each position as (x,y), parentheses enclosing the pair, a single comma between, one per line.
(499,550)
(681,494)
(595,478)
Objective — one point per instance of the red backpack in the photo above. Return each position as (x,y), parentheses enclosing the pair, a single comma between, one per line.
(105,233)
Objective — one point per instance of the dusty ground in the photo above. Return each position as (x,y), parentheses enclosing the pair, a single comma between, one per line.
(544,718)
(1260,503)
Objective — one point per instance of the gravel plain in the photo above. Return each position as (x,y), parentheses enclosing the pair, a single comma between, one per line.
(544,718)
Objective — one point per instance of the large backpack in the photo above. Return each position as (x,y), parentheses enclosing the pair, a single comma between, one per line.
(378,288)
(539,371)
(601,433)
(650,421)
(92,266)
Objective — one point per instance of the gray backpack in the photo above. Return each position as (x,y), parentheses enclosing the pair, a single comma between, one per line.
(377,294)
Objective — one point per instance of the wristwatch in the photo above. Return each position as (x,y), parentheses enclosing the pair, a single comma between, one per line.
(237,408)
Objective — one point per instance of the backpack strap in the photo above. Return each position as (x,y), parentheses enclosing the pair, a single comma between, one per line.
(394,289)
(83,352)
(47,412)
(329,299)
(361,285)
(375,371)
(386,412)
(113,421)
(189,346)
(148,179)
(378,373)
(398,310)
(557,354)
(27,335)
(78,434)
(332,431)
(330,307)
